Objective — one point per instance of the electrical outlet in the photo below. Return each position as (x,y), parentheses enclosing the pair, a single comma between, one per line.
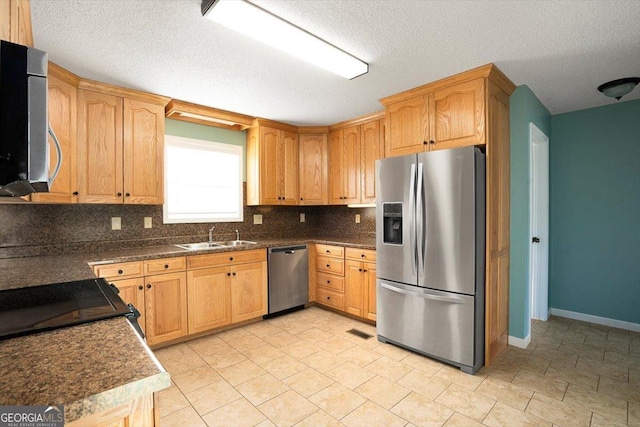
(116,223)
(257,219)
(302,218)
(357,218)
(148,222)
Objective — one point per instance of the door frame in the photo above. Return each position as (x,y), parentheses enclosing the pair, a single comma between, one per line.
(538,295)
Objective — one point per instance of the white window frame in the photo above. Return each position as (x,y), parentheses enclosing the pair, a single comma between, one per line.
(171,140)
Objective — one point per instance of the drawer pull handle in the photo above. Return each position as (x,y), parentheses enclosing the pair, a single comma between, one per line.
(166,266)
(120,271)
(230,258)
(328,281)
(362,255)
(75,193)
(328,251)
(328,297)
(328,266)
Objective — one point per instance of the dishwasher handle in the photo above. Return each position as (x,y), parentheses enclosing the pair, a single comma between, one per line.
(287,249)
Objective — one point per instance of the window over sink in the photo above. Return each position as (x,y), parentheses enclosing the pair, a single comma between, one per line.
(203,181)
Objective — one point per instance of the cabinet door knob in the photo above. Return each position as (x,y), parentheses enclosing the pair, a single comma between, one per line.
(166,266)
(328,297)
(359,269)
(364,271)
(119,194)
(328,281)
(301,198)
(120,271)
(75,193)
(228,274)
(141,287)
(230,258)
(328,266)
(148,285)
(425,142)
(362,255)
(432,141)
(234,274)
(328,251)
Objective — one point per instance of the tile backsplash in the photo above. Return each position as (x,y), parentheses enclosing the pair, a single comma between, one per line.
(50,229)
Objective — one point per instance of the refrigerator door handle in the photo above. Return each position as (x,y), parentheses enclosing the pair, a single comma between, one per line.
(412,223)
(420,219)
(453,300)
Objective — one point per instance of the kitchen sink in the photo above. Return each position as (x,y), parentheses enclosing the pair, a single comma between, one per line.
(236,243)
(200,246)
(215,245)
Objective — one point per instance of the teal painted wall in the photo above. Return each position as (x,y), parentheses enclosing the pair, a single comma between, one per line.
(594,221)
(209,133)
(525,108)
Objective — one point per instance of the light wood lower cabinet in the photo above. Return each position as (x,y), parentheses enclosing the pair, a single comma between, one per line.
(360,283)
(226,288)
(161,299)
(166,310)
(209,298)
(346,280)
(137,412)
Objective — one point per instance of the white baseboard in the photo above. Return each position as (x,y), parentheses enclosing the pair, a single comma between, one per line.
(520,342)
(620,324)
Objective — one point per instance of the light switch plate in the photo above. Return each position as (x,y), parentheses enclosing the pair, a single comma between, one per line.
(116,223)
(257,219)
(148,222)
(357,218)
(302,217)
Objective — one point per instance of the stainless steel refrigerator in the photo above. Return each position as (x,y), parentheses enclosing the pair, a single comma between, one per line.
(430,240)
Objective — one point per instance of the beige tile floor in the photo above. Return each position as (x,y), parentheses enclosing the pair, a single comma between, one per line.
(303,369)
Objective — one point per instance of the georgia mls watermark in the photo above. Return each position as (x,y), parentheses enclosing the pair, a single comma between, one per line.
(32,416)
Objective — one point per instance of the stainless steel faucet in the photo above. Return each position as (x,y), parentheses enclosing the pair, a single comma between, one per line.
(211,234)
(237,235)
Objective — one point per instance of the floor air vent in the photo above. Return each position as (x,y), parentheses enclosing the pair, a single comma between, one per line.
(360,334)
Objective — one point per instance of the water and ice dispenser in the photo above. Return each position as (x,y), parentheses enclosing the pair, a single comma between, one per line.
(392,223)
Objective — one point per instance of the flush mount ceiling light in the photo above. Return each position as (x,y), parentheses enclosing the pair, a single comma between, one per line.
(249,19)
(619,88)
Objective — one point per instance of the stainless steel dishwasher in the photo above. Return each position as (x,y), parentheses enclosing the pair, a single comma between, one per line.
(288,279)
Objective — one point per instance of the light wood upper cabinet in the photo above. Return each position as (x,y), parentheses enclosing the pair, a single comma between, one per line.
(166,307)
(371,149)
(62,119)
(143,152)
(272,165)
(248,291)
(99,148)
(15,22)
(344,166)
(459,112)
(120,149)
(407,126)
(132,292)
(313,169)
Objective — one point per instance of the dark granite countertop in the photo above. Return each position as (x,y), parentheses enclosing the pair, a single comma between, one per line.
(88,368)
(42,270)
(96,366)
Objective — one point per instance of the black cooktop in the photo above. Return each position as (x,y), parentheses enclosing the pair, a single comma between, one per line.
(39,308)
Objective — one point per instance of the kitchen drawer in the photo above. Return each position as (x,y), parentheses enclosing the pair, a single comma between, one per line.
(226,258)
(120,270)
(360,254)
(330,265)
(328,250)
(330,281)
(165,265)
(330,298)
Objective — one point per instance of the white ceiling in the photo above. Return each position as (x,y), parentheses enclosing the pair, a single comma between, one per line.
(561,49)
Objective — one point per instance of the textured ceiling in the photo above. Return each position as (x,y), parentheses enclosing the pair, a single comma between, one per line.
(561,49)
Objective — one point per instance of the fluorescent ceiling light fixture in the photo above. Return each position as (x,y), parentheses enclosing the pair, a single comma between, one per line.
(255,22)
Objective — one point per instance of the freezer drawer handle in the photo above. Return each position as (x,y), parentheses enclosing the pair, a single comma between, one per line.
(453,300)
(289,252)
